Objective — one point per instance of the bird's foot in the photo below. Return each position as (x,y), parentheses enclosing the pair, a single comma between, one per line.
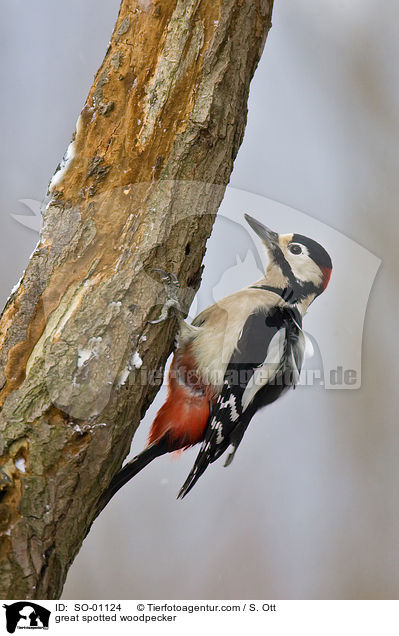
(172,289)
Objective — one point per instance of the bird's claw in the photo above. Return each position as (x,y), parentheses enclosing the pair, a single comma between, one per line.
(172,287)
(168,278)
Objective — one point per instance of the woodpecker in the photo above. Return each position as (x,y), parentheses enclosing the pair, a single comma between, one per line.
(237,356)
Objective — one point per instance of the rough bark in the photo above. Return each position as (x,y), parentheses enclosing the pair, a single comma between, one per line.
(139,188)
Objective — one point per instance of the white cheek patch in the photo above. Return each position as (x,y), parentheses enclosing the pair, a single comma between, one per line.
(303,267)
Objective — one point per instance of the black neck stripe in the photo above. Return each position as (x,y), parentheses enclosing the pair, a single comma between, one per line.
(286,293)
(292,294)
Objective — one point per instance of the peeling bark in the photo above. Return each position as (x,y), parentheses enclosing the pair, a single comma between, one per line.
(138,188)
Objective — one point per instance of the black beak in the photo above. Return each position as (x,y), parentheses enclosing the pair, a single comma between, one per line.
(269,237)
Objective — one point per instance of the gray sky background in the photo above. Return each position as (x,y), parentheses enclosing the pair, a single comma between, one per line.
(309,507)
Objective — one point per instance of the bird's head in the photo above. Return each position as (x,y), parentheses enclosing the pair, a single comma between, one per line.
(296,263)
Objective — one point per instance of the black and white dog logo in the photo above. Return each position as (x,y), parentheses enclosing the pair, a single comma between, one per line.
(26,615)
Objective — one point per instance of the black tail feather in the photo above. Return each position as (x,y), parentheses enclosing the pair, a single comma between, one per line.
(192,479)
(156,449)
(201,464)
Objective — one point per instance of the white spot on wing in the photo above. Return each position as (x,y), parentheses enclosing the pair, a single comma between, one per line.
(267,371)
(232,403)
(219,437)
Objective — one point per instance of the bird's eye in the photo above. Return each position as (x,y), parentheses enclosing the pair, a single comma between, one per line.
(295,248)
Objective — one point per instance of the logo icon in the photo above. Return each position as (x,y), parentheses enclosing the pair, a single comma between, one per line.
(26,615)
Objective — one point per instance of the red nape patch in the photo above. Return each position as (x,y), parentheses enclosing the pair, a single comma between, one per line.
(326,276)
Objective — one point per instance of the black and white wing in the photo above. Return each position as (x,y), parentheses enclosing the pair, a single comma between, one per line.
(266,361)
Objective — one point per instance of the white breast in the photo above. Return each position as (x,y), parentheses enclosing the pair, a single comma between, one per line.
(215,340)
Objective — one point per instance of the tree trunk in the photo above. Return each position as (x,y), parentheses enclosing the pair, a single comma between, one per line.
(138,188)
